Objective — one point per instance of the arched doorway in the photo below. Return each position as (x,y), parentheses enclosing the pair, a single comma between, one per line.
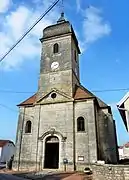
(51,160)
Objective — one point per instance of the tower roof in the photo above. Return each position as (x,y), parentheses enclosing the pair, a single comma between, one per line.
(61,28)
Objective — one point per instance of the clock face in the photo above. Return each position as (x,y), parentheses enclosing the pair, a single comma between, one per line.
(54,65)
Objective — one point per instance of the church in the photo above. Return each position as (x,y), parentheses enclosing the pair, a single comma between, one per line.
(63,124)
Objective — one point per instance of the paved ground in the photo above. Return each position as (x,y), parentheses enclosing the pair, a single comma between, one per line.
(9,177)
(67,177)
(57,176)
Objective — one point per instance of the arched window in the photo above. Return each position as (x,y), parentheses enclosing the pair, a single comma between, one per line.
(56,48)
(80,124)
(28,127)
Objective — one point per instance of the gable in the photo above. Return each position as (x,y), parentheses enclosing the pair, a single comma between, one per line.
(4,142)
(123,107)
(125,98)
(54,96)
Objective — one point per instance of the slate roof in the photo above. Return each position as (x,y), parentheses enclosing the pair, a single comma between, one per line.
(4,142)
(80,93)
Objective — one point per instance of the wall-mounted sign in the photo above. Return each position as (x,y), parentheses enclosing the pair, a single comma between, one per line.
(80,158)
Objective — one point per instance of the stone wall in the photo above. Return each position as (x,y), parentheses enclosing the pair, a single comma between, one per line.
(106,137)
(26,143)
(60,78)
(85,142)
(110,172)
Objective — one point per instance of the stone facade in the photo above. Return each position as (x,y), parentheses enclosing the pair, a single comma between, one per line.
(110,172)
(54,110)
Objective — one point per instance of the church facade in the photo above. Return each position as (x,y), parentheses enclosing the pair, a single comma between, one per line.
(63,122)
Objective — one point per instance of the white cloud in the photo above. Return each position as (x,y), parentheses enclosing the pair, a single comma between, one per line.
(94,26)
(16,21)
(15,24)
(4,5)
(78,3)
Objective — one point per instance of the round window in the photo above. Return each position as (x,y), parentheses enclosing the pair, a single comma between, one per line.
(53,95)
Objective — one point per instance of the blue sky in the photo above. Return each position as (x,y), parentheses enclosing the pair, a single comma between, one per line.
(102,29)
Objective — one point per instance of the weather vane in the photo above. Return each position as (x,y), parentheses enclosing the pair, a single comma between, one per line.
(62,6)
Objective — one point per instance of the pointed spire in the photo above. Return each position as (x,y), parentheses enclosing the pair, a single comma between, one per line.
(61,19)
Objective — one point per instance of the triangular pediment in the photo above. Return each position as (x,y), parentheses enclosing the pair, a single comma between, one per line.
(54,96)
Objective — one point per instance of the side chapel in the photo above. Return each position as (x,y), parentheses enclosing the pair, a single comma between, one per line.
(63,121)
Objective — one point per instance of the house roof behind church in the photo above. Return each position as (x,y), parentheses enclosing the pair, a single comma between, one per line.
(122,110)
(123,100)
(4,142)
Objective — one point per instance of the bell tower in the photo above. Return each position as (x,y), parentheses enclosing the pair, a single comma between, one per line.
(59,67)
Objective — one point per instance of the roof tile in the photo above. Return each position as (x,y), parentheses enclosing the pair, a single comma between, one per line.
(30,101)
(3,142)
(82,93)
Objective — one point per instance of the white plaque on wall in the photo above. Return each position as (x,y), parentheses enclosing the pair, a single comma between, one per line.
(80,158)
